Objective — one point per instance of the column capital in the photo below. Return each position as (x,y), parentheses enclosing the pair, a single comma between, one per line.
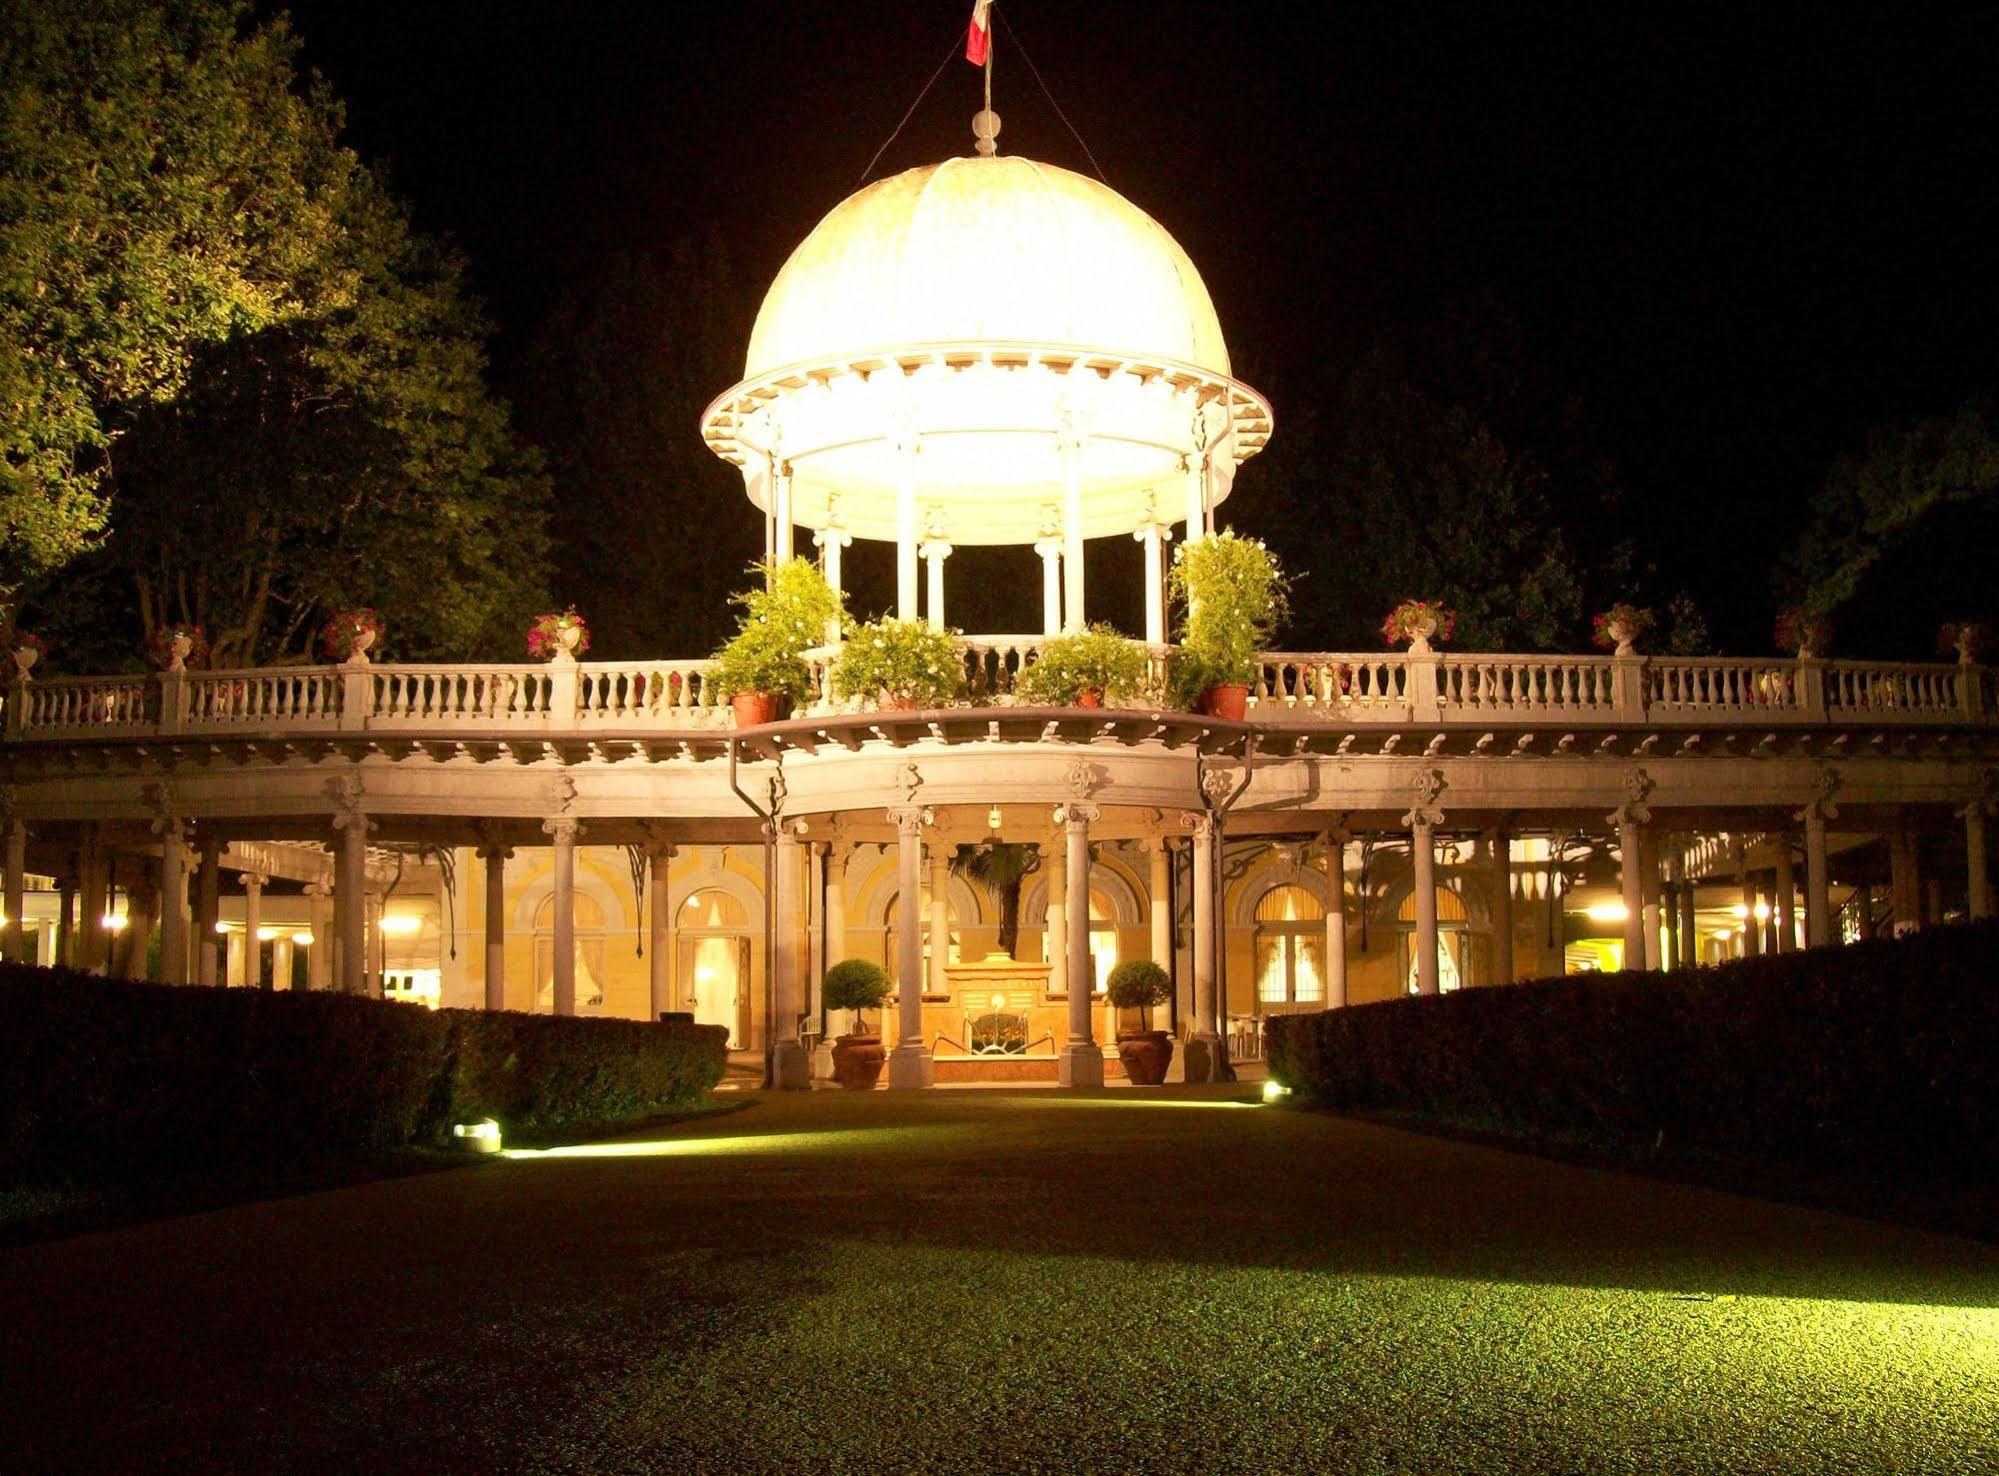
(318,889)
(1630,815)
(1428,787)
(255,881)
(1152,527)
(832,535)
(1078,815)
(1049,548)
(908,820)
(934,548)
(562,828)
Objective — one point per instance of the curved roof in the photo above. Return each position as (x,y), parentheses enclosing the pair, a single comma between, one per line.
(992,250)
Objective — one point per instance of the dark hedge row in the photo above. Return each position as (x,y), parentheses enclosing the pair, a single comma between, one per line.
(102,1076)
(1882,1056)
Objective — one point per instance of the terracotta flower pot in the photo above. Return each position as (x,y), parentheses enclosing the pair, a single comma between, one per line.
(857,1061)
(892,702)
(752,709)
(1089,697)
(1146,1054)
(1226,700)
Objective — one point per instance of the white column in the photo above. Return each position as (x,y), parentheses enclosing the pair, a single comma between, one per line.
(833,949)
(319,957)
(1197,498)
(1905,878)
(1150,534)
(1159,912)
(16,894)
(1630,823)
(93,892)
(562,829)
(1203,1054)
(173,898)
(935,551)
(1336,919)
(1787,896)
(1690,941)
(1072,530)
(207,912)
(350,902)
(378,946)
(1055,925)
(659,866)
(1818,883)
(253,923)
(780,483)
(1050,550)
(909,1065)
(495,855)
(831,540)
(1423,853)
(1502,905)
(790,1068)
(1082,1061)
(905,530)
(1977,872)
(940,918)
(1752,942)
(1648,881)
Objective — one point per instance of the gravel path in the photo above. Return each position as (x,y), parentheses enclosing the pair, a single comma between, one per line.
(1006,1281)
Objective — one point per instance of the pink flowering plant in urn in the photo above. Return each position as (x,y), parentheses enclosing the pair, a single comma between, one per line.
(350,634)
(1416,623)
(1619,628)
(563,633)
(176,647)
(1965,639)
(28,649)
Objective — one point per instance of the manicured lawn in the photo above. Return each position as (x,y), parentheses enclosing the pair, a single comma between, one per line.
(1025,1281)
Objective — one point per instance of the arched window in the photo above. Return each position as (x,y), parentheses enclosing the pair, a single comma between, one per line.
(1290,951)
(589,917)
(1453,941)
(713,967)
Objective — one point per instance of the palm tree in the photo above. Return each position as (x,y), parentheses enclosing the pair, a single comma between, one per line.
(1000,867)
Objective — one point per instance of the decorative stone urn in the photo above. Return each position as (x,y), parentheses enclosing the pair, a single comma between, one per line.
(1625,634)
(180,649)
(358,653)
(1420,631)
(857,1061)
(1145,1054)
(25,658)
(569,637)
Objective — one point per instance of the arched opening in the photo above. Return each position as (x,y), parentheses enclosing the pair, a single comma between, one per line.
(589,915)
(714,962)
(1290,951)
(1454,963)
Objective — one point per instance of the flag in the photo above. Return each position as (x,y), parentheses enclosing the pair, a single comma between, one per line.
(1221,457)
(979,39)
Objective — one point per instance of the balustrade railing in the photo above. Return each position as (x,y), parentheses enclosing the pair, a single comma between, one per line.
(1335,687)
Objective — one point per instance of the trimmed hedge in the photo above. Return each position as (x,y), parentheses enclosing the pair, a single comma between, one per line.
(102,1076)
(1882,1056)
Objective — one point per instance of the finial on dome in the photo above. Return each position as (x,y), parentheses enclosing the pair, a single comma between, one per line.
(985,128)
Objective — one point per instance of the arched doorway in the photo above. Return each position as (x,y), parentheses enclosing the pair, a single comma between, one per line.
(1454,961)
(1290,951)
(714,962)
(589,915)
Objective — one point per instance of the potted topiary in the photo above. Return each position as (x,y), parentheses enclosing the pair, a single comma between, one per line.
(762,669)
(1234,595)
(1083,668)
(857,985)
(1139,984)
(901,664)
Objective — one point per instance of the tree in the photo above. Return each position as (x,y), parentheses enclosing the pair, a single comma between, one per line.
(650,527)
(1002,868)
(1396,492)
(162,187)
(1901,534)
(274,387)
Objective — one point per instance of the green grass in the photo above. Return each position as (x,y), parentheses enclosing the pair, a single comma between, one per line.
(1028,1282)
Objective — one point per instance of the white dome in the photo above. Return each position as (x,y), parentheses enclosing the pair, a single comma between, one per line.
(987,250)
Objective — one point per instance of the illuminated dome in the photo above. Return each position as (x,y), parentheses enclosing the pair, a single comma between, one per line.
(998,250)
(987,350)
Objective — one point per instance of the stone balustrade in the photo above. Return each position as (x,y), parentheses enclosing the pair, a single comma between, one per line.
(1339,688)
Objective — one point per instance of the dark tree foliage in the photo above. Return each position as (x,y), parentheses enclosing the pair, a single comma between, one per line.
(1433,470)
(1902,534)
(651,529)
(272,388)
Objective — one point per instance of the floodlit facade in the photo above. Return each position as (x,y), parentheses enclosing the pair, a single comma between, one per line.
(986,351)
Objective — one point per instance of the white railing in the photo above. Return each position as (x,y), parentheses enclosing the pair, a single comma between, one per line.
(454,695)
(1332,687)
(291,697)
(1533,686)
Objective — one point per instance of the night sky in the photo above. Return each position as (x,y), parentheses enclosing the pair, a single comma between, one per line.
(1741,236)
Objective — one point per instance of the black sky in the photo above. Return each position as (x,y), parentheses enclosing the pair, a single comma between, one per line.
(1742,234)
